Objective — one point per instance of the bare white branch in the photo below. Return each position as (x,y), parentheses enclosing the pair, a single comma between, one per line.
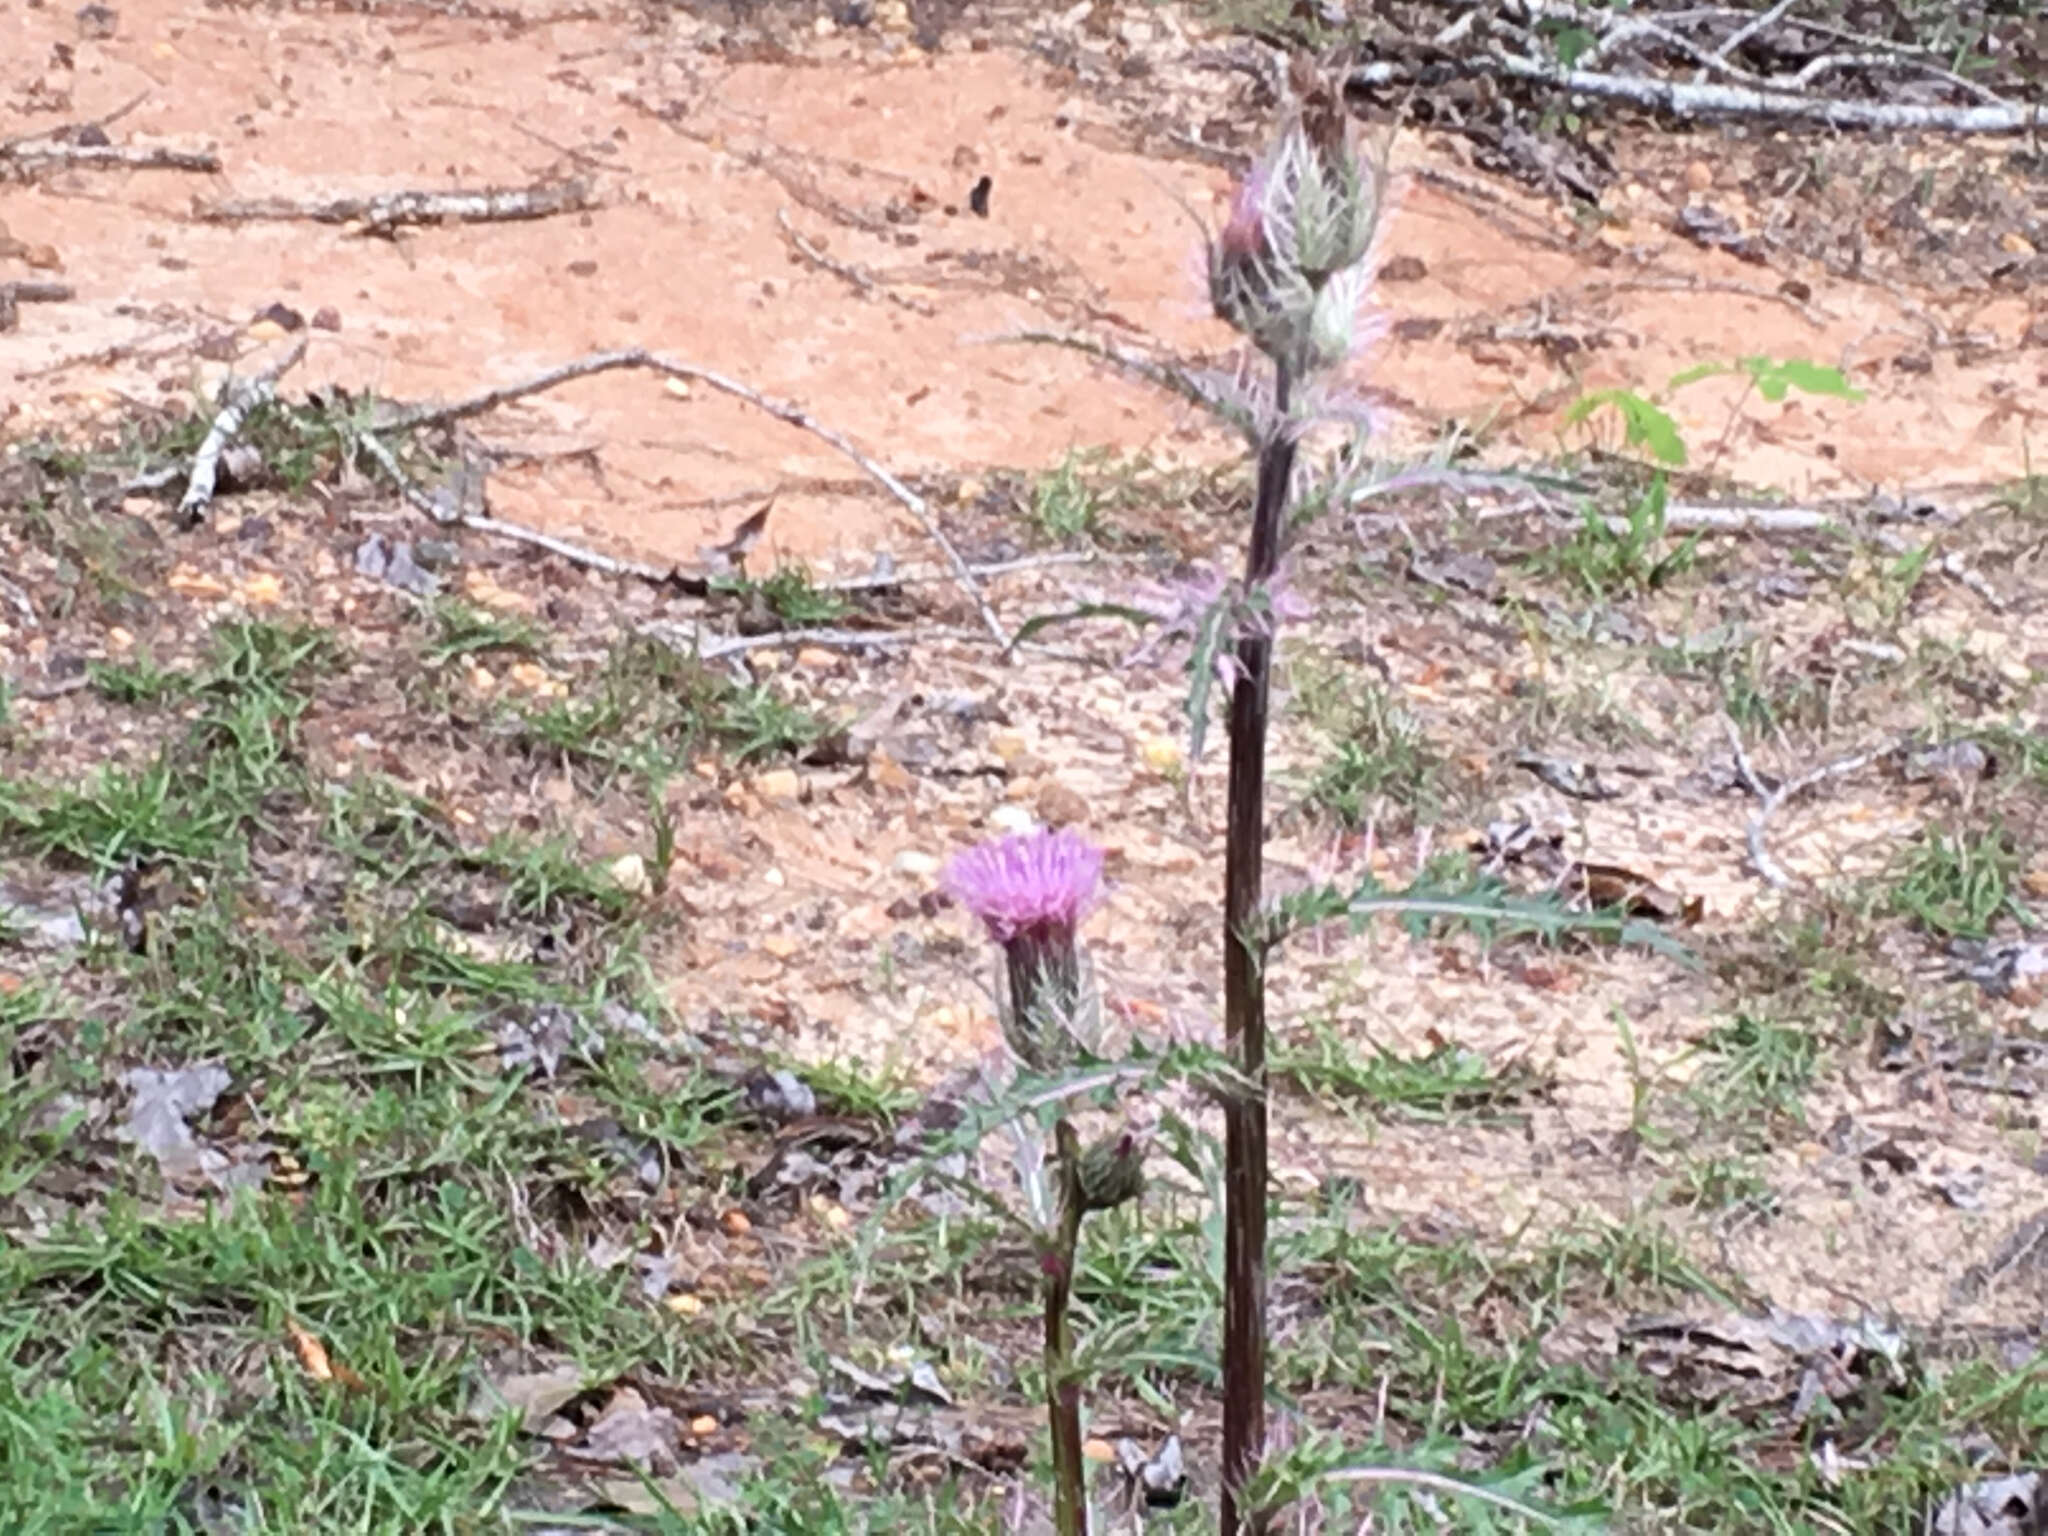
(388,210)
(242,396)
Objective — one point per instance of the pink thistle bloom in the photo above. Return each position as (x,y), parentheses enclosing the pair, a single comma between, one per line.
(1036,885)
(1031,893)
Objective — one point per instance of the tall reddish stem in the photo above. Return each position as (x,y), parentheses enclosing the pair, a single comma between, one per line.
(1062,1390)
(1244,1001)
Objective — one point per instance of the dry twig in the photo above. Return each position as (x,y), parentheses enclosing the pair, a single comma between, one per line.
(1774,800)
(450,515)
(13,295)
(242,397)
(691,641)
(19,601)
(1751,28)
(880,580)
(862,280)
(782,410)
(387,211)
(1702,517)
(1686,99)
(1958,569)
(29,153)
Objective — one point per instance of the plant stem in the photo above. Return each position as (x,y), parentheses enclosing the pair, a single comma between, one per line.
(1244,1000)
(1062,1391)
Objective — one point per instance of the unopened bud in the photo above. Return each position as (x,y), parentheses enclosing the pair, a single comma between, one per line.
(1111,1172)
(1301,223)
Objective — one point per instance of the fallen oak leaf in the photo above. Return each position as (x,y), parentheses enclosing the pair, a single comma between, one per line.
(161,1103)
(536,1396)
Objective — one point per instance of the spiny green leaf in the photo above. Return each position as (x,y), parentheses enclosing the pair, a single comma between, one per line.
(1695,373)
(1487,905)
(1038,624)
(1202,675)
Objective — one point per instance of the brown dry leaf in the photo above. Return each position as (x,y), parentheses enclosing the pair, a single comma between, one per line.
(320,1365)
(536,1395)
(1610,885)
(630,1431)
(710,1480)
(312,1353)
(159,1106)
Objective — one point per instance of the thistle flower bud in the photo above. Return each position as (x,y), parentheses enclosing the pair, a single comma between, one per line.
(1304,215)
(1111,1172)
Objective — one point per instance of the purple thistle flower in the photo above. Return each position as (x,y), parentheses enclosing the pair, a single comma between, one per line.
(1031,893)
(1038,883)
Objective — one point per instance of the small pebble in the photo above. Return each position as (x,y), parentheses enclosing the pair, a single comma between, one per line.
(779,784)
(629,874)
(1011,820)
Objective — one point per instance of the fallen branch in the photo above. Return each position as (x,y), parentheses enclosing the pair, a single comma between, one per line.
(826,639)
(782,410)
(1958,569)
(76,683)
(1491,204)
(672,577)
(1704,517)
(1774,800)
(1751,28)
(1689,99)
(882,580)
(19,600)
(242,397)
(1811,314)
(450,516)
(389,210)
(38,293)
(33,152)
(15,294)
(863,281)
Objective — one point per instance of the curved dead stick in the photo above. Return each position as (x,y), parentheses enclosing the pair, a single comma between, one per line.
(1774,799)
(783,410)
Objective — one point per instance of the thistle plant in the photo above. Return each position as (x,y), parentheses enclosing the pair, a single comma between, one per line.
(1290,271)
(1030,893)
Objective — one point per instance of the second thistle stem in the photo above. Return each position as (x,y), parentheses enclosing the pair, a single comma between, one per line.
(1062,1390)
(1244,998)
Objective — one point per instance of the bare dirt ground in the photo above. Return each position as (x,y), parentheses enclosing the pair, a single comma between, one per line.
(1831,1112)
(709,153)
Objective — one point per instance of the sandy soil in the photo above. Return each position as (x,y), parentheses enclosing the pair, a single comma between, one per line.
(705,174)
